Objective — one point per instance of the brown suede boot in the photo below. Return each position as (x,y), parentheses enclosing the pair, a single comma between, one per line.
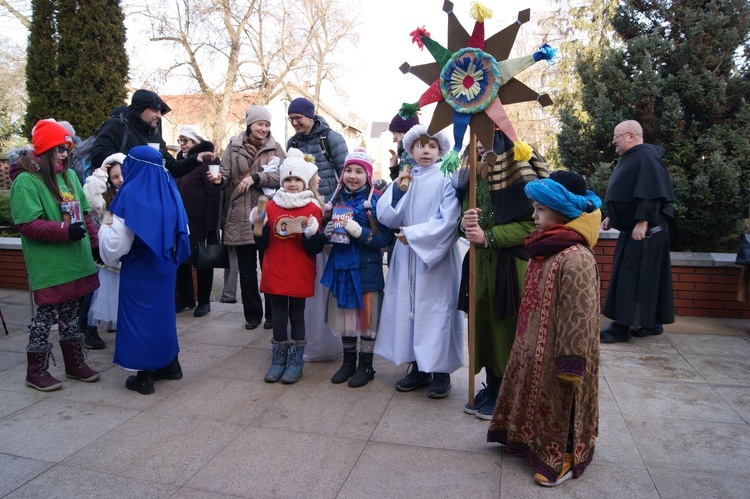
(74,356)
(37,375)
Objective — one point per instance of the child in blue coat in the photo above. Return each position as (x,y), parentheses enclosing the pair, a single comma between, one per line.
(354,272)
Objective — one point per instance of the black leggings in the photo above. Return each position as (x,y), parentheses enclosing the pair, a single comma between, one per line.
(288,310)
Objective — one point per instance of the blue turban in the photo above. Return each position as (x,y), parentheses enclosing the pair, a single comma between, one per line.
(553,194)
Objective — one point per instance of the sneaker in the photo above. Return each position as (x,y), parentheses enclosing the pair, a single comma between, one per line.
(487,409)
(565,473)
(414,379)
(479,399)
(439,386)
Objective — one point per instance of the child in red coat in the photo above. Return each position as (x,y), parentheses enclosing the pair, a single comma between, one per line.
(290,221)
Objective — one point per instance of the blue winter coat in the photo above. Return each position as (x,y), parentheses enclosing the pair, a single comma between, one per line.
(369,244)
(328,171)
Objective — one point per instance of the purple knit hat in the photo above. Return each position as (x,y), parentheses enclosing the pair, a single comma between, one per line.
(398,124)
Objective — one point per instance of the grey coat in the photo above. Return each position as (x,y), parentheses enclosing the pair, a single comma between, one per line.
(235,162)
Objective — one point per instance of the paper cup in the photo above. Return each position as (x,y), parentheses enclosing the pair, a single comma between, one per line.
(214,169)
(155,145)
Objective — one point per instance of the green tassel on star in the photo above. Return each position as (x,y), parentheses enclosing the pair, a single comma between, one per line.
(450,163)
(408,111)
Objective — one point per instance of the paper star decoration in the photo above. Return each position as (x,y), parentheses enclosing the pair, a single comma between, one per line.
(471,79)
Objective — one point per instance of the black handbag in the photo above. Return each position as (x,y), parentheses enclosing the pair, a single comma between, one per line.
(743,255)
(211,256)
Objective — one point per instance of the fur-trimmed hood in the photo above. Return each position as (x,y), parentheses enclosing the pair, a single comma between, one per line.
(13,159)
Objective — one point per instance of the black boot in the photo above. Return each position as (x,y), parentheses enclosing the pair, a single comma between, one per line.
(172,371)
(347,369)
(142,383)
(364,373)
(91,338)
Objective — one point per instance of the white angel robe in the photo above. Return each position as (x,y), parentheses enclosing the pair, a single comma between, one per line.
(419,319)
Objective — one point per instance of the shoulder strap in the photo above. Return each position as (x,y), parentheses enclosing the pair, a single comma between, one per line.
(326,147)
(124,141)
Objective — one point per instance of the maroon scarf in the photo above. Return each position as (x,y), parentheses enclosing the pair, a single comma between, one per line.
(540,245)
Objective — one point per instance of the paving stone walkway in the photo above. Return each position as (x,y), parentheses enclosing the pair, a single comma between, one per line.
(674,423)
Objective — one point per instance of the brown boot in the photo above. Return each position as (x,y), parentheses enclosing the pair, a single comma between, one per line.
(37,375)
(74,356)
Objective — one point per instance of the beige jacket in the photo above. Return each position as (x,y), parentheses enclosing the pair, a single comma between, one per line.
(235,162)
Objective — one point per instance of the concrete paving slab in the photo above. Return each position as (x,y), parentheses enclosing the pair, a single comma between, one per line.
(711,345)
(379,472)
(738,399)
(698,402)
(263,462)
(213,398)
(225,329)
(615,444)
(673,485)
(654,366)
(156,448)
(413,419)
(722,370)
(691,445)
(16,471)
(52,429)
(64,482)
(11,402)
(598,481)
(327,409)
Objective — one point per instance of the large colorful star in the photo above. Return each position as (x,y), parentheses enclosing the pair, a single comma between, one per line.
(471,79)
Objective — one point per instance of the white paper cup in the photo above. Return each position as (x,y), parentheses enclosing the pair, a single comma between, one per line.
(214,169)
(155,145)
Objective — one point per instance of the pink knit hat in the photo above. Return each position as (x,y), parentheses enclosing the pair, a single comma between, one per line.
(357,157)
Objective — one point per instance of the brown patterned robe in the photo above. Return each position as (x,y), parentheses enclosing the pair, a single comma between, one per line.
(558,333)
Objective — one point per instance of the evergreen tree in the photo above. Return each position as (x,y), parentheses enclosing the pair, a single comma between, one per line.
(682,72)
(92,61)
(41,65)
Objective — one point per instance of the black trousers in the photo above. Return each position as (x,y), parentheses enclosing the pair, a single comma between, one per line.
(247,264)
(185,289)
(288,310)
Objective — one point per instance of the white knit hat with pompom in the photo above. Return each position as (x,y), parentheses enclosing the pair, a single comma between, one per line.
(296,164)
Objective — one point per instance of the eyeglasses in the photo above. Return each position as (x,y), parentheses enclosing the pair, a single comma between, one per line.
(297,119)
(62,150)
(619,135)
(183,141)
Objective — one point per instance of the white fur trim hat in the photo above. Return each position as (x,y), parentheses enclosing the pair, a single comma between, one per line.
(117,157)
(257,113)
(414,133)
(297,165)
(192,132)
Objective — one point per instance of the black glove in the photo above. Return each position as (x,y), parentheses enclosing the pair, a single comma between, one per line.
(96,255)
(76,231)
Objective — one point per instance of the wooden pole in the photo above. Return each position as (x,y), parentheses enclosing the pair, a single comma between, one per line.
(472,265)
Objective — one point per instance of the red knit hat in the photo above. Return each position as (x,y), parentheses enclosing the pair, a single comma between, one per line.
(48,134)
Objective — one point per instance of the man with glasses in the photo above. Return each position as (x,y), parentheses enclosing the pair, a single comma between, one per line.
(314,136)
(142,127)
(639,204)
